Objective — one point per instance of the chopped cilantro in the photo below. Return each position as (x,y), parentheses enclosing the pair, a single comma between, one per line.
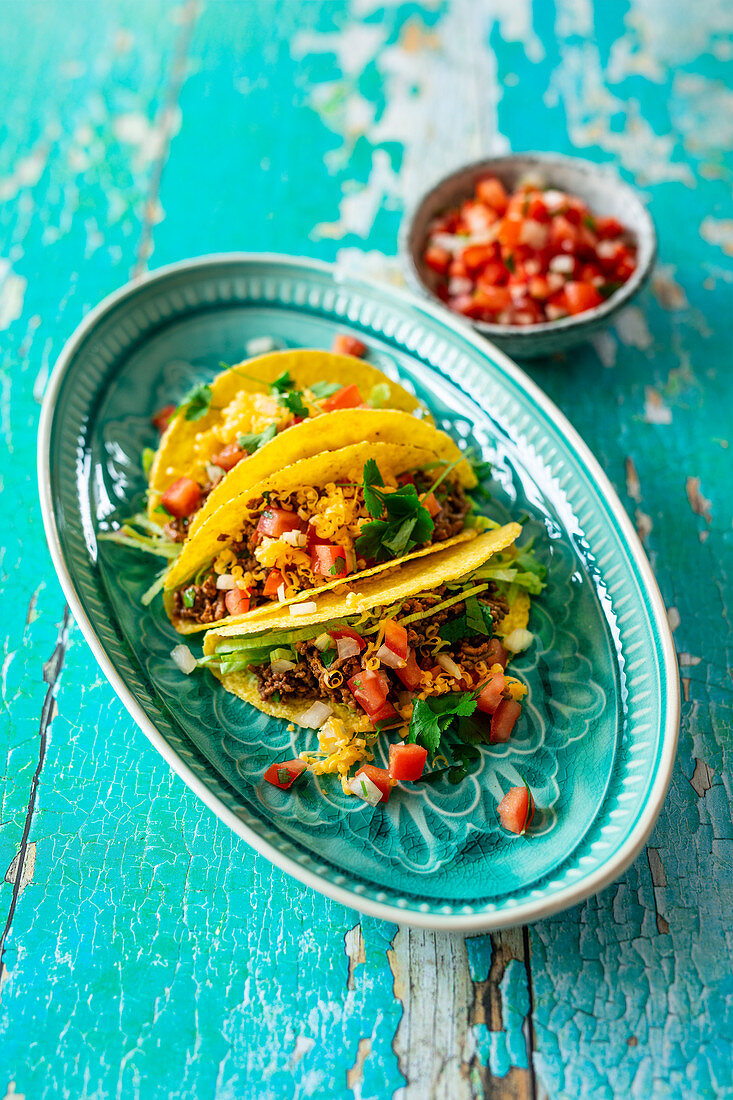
(609,288)
(405,523)
(294,402)
(196,403)
(432,717)
(283,775)
(146,460)
(163,511)
(509,262)
(328,657)
(338,567)
(282,383)
(251,441)
(324,389)
(590,222)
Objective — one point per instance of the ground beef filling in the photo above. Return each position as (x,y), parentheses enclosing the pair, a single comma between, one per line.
(311,680)
(449,522)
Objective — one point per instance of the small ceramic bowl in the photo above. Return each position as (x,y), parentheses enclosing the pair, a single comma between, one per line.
(599,186)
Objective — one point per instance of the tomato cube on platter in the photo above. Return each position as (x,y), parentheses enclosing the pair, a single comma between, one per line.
(516,810)
(343,344)
(182,498)
(380,778)
(237,601)
(407,762)
(284,774)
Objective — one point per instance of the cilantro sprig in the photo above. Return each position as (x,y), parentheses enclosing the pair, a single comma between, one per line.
(252,441)
(432,717)
(197,402)
(399,519)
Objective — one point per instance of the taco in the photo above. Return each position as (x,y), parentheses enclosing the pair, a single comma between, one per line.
(409,647)
(222,426)
(325,521)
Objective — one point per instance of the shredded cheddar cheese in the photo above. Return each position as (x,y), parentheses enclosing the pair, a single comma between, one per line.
(341,749)
(517,616)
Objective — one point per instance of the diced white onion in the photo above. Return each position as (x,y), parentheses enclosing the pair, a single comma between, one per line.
(316,715)
(294,538)
(347,647)
(554,313)
(519,640)
(225,582)
(564,265)
(389,658)
(554,199)
(555,281)
(306,608)
(362,787)
(281,665)
(460,285)
(323,641)
(606,249)
(214,473)
(260,345)
(449,665)
(184,659)
(533,233)
(281,593)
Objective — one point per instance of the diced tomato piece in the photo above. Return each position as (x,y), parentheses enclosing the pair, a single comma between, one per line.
(182,498)
(411,673)
(370,689)
(284,774)
(330,561)
(504,720)
(510,230)
(491,191)
(348,397)
(624,268)
(313,538)
(347,632)
(497,654)
(406,478)
(437,259)
(343,344)
(395,639)
(238,600)
(581,296)
(431,503)
(539,288)
(493,274)
(228,458)
(457,269)
(379,777)
(607,228)
(163,417)
(537,209)
(516,810)
(575,210)
(274,522)
(491,693)
(563,234)
(273,582)
(476,256)
(493,298)
(407,762)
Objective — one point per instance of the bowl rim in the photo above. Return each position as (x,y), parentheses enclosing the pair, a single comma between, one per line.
(529,910)
(592,316)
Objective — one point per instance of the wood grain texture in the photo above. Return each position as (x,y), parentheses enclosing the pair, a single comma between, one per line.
(147,951)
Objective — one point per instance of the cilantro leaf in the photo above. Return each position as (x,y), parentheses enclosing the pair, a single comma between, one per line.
(369,542)
(328,657)
(324,389)
(282,383)
(372,476)
(400,519)
(431,717)
(294,402)
(197,402)
(251,441)
(163,511)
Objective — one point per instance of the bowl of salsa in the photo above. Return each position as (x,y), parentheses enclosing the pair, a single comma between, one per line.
(536,251)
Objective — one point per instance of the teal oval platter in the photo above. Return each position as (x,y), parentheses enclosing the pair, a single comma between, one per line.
(598,734)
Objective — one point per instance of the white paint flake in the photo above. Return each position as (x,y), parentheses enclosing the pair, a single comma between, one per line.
(12,293)
(632,328)
(27,172)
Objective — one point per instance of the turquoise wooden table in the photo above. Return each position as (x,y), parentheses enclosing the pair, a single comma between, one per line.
(145,950)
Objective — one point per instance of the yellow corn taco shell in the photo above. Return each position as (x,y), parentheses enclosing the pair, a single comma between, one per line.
(242,404)
(346,464)
(330,432)
(413,577)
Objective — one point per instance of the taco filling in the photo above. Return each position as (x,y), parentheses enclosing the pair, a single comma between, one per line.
(311,536)
(415,666)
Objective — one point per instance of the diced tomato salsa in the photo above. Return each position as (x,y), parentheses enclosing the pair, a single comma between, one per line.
(526,257)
